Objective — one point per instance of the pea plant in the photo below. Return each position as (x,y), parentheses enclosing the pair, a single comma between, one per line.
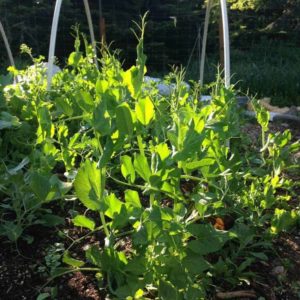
(171,177)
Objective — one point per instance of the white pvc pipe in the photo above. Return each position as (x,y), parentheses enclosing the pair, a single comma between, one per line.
(6,43)
(226,43)
(90,23)
(204,40)
(52,42)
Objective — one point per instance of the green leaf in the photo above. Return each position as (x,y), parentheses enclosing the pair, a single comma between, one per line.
(40,185)
(263,116)
(11,230)
(74,58)
(83,221)
(142,167)
(139,294)
(195,264)
(166,291)
(43,296)
(101,119)
(137,265)
(64,105)
(101,86)
(93,254)
(283,220)
(85,101)
(107,152)
(8,121)
(163,151)
(132,80)
(122,217)
(46,128)
(191,142)
(127,168)
(48,188)
(67,259)
(132,198)
(113,204)
(196,292)
(144,110)
(199,164)
(52,220)
(260,255)
(156,181)
(124,119)
(88,185)
(208,240)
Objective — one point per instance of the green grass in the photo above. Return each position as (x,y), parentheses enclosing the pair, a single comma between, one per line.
(264,70)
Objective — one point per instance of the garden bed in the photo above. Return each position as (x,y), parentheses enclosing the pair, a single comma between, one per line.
(22,275)
(110,190)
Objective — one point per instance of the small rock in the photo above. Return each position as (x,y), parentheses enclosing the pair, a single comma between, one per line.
(278,271)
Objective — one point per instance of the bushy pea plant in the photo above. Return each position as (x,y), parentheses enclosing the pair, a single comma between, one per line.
(167,175)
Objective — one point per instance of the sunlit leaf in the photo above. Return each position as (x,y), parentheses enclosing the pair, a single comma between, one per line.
(132,198)
(8,121)
(127,168)
(144,110)
(83,221)
(67,259)
(124,119)
(88,185)
(142,167)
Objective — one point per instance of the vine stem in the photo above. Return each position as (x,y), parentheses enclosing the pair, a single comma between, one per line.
(83,237)
(150,188)
(200,180)
(103,176)
(140,144)
(263,141)
(105,228)
(74,118)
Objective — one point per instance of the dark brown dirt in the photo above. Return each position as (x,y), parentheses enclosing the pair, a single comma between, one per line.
(79,286)
(279,278)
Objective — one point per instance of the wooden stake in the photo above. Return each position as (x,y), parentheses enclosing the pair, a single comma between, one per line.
(236,294)
(102,28)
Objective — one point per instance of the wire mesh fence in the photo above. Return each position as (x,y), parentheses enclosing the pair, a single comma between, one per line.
(265,44)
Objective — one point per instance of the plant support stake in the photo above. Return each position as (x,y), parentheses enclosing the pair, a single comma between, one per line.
(225,39)
(226,43)
(91,29)
(9,53)
(54,34)
(53,41)
(204,40)
(11,59)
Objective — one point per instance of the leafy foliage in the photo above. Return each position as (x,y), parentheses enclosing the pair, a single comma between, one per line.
(162,172)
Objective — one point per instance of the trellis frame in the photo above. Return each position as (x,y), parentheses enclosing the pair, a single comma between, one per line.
(226,42)
(54,27)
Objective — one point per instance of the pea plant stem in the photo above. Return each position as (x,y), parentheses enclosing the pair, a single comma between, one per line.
(103,173)
(105,228)
(86,235)
(75,118)
(140,144)
(146,187)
